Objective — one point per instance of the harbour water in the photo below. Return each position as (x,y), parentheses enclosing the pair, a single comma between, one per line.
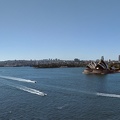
(28,93)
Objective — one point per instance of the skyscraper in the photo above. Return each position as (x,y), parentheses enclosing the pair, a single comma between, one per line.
(119,58)
(102,58)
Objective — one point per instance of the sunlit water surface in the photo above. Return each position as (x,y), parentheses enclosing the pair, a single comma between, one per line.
(27,93)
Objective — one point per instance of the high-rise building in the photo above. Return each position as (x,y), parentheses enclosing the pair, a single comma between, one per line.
(119,58)
(102,58)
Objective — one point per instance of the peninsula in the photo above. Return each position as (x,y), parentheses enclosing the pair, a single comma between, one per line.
(101,68)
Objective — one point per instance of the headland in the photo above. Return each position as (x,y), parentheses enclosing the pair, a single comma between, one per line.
(101,68)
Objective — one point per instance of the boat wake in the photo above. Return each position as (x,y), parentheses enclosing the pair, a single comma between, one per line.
(27,89)
(89,93)
(102,94)
(108,95)
(61,107)
(21,87)
(31,90)
(18,79)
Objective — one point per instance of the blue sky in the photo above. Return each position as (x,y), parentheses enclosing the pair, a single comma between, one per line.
(63,29)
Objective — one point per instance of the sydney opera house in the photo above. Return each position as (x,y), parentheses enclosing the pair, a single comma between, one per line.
(97,68)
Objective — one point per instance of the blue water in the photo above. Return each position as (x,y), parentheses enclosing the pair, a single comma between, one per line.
(69,94)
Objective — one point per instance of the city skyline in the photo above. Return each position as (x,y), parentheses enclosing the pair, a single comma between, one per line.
(63,29)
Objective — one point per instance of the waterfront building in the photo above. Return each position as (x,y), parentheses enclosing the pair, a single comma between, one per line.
(97,68)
